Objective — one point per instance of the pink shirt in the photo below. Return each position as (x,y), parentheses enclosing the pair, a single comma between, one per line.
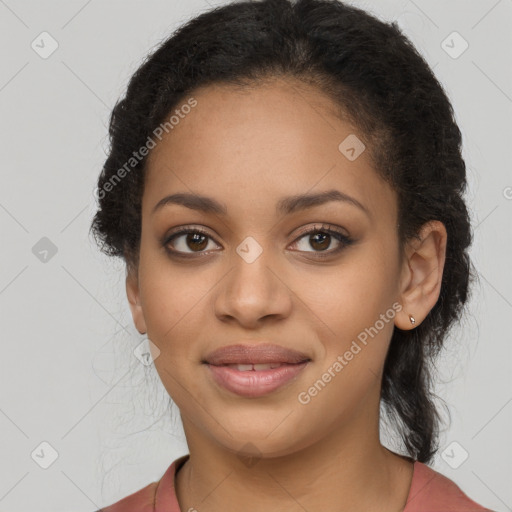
(430,492)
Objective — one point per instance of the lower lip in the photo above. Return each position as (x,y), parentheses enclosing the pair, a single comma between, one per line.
(254,383)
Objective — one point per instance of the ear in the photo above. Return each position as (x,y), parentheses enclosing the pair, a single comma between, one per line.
(422,272)
(133,294)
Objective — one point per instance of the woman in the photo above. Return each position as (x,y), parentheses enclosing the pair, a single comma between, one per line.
(285,185)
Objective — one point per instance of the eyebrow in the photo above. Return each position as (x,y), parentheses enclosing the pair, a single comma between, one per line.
(285,205)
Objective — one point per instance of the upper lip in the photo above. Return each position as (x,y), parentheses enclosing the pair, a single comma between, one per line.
(254,354)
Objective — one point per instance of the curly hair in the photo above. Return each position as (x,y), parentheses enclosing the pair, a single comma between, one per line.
(381,84)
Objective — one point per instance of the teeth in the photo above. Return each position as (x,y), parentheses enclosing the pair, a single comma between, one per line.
(241,367)
(247,367)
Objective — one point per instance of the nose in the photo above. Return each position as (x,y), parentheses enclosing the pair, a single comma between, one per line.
(253,292)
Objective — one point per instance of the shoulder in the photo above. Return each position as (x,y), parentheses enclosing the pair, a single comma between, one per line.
(155,497)
(142,500)
(430,490)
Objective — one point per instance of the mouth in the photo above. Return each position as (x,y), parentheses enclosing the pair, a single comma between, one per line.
(254,370)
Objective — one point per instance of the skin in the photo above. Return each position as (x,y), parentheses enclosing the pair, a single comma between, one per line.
(248,149)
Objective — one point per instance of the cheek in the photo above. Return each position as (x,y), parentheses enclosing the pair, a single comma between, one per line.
(174,302)
(174,314)
(351,296)
(354,303)
(355,345)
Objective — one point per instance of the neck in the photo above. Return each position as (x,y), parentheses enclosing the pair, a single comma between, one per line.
(348,470)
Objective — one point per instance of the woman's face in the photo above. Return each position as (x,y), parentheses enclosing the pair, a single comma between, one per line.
(255,276)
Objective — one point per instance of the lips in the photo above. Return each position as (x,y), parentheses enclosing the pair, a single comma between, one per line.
(254,355)
(254,370)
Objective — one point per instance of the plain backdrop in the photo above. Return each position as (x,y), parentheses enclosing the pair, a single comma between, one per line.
(73,396)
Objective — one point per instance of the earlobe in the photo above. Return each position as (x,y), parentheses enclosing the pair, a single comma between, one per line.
(133,294)
(422,275)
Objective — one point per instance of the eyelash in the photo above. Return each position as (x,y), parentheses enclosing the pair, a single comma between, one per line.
(344,240)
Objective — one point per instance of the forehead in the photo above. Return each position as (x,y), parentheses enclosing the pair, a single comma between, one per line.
(273,139)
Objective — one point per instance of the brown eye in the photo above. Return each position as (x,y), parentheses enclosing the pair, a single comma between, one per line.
(188,241)
(320,239)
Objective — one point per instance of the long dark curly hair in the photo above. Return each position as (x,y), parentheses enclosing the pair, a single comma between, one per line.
(382,85)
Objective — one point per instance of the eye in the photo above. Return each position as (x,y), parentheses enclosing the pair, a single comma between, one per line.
(321,238)
(195,239)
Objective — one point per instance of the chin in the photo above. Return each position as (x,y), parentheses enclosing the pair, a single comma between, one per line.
(254,439)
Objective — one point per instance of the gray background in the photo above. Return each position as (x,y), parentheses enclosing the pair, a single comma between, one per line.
(68,375)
